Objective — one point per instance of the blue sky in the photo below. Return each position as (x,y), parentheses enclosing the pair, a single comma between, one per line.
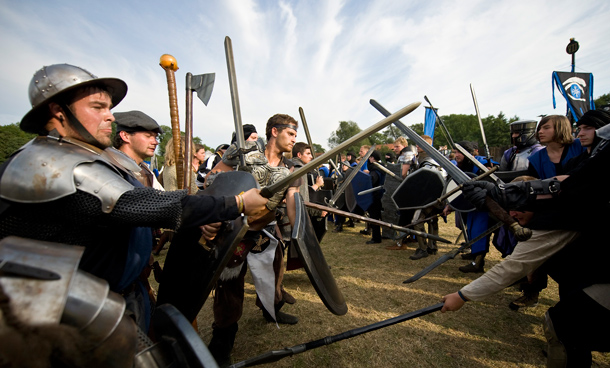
(328,57)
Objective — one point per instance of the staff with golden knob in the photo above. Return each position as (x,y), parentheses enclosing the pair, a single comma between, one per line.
(169,63)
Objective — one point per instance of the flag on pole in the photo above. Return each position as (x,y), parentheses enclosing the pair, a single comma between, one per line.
(430,123)
(577,89)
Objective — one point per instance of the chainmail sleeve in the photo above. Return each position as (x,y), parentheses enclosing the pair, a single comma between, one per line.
(149,207)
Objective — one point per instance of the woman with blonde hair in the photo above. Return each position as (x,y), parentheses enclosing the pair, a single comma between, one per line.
(555,133)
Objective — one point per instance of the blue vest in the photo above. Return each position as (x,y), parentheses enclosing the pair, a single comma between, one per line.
(543,165)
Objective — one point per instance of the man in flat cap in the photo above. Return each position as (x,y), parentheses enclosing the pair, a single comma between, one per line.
(136,136)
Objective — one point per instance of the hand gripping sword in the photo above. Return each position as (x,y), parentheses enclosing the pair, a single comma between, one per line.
(275,355)
(521,233)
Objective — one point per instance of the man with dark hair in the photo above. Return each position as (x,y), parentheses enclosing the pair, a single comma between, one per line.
(351,158)
(136,136)
(261,243)
(75,191)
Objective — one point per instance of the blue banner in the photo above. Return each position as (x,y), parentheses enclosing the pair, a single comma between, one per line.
(577,89)
(430,123)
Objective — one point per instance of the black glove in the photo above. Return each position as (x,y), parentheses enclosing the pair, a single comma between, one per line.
(476,191)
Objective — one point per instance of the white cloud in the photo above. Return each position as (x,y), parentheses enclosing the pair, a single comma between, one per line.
(329,57)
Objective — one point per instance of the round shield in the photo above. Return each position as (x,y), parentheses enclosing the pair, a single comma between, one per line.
(419,189)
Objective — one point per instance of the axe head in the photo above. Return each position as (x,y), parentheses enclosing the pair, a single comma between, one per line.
(203,84)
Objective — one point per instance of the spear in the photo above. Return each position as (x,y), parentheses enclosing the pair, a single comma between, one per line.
(451,255)
(376,222)
(275,355)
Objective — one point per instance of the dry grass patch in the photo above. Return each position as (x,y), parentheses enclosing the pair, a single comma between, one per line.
(486,334)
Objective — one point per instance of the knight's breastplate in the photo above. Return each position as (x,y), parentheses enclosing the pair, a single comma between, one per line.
(520,161)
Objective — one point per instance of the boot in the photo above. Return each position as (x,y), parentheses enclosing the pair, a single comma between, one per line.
(288,298)
(419,254)
(468,256)
(476,266)
(349,223)
(338,228)
(222,343)
(528,299)
(280,317)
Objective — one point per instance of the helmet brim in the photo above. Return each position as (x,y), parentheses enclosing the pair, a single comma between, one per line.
(35,120)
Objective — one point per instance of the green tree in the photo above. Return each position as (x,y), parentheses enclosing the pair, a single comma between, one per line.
(318,148)
(464,127)
(12,137)
(603,100)
(348,129)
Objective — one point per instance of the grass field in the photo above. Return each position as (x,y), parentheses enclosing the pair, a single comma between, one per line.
(481,334)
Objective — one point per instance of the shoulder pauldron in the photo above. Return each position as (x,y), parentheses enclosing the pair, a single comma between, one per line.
(47,169)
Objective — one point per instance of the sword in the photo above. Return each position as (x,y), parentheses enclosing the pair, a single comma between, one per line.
(451,255)
(476,107)
(239,130)
(203,85)
(387,171)
(458,175)
(350,177)
(170,65)
(275,355)
(365,192)
(306,129)
(376,222)
(477,163)
(268,191)
(337,174)
(444,130)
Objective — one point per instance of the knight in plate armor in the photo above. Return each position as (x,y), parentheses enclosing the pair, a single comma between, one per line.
(66,186)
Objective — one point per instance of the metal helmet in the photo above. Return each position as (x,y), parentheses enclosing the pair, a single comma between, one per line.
(55,80)
(527,133)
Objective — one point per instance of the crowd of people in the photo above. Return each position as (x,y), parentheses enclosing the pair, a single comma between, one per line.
(78,184)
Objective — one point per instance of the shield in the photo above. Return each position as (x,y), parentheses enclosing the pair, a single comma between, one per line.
(419,189)
(362,181)
(321,196)
(176,338)
(191,270)
(304,237)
